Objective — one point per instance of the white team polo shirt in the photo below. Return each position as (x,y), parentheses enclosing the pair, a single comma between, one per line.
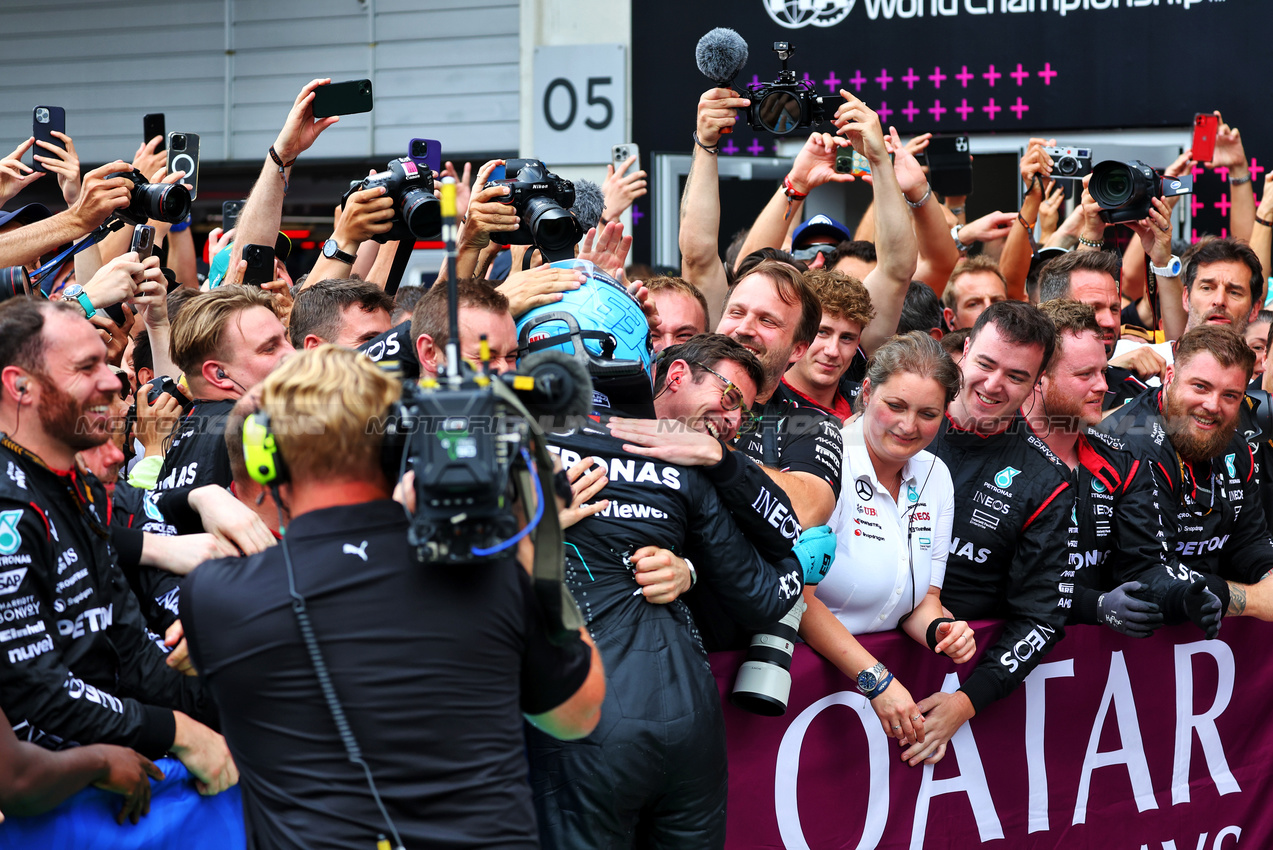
(886,555)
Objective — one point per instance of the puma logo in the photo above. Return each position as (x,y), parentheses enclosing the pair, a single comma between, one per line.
(360,551)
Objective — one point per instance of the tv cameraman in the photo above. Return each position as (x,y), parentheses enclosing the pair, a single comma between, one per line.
(435,665)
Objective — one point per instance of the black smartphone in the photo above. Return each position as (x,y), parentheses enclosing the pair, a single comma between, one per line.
(949,160)
(230,214)
(143,241)
(183,155)
(153,125)
(347,98)
(44,121)
(426,152)
(260,260)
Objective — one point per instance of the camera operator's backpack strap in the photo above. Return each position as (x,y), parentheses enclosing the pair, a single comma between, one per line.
(548,572)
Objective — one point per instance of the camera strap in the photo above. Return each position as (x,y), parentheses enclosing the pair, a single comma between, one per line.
(548,572)
(1151,290)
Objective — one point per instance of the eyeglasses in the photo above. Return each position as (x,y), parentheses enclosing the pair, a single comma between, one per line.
(731,398)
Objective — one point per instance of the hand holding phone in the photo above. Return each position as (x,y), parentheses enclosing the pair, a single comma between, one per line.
(347,98)
(260,260)
(1205,127)
(45,121)
(143,241)
(183,155)
(153,125)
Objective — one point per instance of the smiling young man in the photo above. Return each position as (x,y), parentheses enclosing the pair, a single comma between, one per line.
(1188,429)
(1008,544)
(682,311)
(1123,578)
(846,310)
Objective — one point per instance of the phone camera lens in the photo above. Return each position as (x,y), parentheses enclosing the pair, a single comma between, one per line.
(178,141)
(42,115)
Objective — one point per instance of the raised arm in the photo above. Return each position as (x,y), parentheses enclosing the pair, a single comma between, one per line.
(1014,263)
(700,203)
(1230,155)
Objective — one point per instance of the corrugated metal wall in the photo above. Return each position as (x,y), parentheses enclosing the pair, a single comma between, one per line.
(230,69)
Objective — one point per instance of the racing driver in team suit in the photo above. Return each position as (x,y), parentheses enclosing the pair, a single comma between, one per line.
(1212,516)
(1008,543)
(653,772)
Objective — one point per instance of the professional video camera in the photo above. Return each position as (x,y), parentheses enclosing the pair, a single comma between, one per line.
(542,201)
(417,214)
(161,201)
(787,104)
(1125,190)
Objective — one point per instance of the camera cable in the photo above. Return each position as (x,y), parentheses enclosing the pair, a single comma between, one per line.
(325,683)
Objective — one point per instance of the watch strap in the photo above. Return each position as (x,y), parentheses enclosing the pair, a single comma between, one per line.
(1172,269)
(336,253)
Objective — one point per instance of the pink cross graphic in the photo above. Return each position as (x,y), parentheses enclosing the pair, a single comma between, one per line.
(1193,234)
(884,79)
(730,148)
(963,76)
(1197,171)
(1223,204)
(637,215)
(857,79)
(1224,233)
(1195,206)
(1019,108)
(1256,171)
(832,83)
(910,79)
(963,109)
(884,112)
(990,109)
(755,79)
(1019,74)
(937,76)
(910,111)
(756,147)
(1224,173)
(937,110)
(992,75)
(1047,73)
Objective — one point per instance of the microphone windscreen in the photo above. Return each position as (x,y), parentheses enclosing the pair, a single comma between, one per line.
(563,387)
(590,203)
(721,54)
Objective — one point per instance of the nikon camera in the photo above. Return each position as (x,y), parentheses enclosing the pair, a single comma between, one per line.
(542,201)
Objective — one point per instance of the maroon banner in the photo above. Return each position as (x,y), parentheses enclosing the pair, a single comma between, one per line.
(1111,742)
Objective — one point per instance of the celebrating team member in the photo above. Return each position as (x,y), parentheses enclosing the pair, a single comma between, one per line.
(892,525)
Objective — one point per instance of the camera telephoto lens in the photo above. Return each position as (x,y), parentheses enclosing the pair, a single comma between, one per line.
(1124,190)
(14,281)
(423,213)
(552,227)
(764,681)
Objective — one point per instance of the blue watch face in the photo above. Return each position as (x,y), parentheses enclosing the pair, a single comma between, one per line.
(867,681)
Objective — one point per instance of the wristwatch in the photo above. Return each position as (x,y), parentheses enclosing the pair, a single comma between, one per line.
(1172,269)
(75,292)
(954,234)
(332,252)
(873,680)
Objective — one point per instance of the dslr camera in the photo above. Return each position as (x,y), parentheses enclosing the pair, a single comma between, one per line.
(542,201)
(1070,163)
(786,104)
(161,201)
(1125,190)
(417,213)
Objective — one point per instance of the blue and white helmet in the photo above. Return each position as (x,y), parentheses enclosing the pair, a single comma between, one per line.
(599,323)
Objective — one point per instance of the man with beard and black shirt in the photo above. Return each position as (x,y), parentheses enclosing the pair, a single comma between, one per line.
(79,667)
(1124,576)
(1092,278)
(225,342)
(1213,521)
(774,313)
(1007,551)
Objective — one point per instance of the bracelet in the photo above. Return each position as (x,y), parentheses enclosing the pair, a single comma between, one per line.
(928,193)
(1027,225)
(1089,243)
(184,224)
(1240,181)
(931,637)
(790,190)
(1259,220)
(278,160)
(712,150)
(693,573)
(881,687)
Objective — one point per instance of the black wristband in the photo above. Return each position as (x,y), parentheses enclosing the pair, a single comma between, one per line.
(931,637)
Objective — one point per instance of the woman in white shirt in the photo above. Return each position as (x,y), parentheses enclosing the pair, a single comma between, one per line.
(892,525)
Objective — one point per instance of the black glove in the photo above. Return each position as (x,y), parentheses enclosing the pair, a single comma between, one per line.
(1124,613)
(1203,608)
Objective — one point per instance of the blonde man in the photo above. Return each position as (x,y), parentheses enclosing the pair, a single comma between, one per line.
(434,664)
(846,310)
(225,342)
(974,285)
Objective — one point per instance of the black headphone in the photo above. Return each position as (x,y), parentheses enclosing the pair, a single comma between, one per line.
(21,385)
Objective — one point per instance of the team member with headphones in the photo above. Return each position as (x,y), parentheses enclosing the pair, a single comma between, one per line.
(225,342)
(367,694)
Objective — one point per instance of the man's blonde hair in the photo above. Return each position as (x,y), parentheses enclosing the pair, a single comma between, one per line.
(198,330)
(327,409)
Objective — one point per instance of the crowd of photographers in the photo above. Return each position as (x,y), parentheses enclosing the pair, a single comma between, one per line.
(915,423)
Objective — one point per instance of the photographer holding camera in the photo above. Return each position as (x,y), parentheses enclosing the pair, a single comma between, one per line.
(434,663)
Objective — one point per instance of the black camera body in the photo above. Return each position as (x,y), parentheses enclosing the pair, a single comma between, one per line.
(1070,163)
(161,201)
(164,384)
(786,104)
(417,213)
(542,201)
(1125,190)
